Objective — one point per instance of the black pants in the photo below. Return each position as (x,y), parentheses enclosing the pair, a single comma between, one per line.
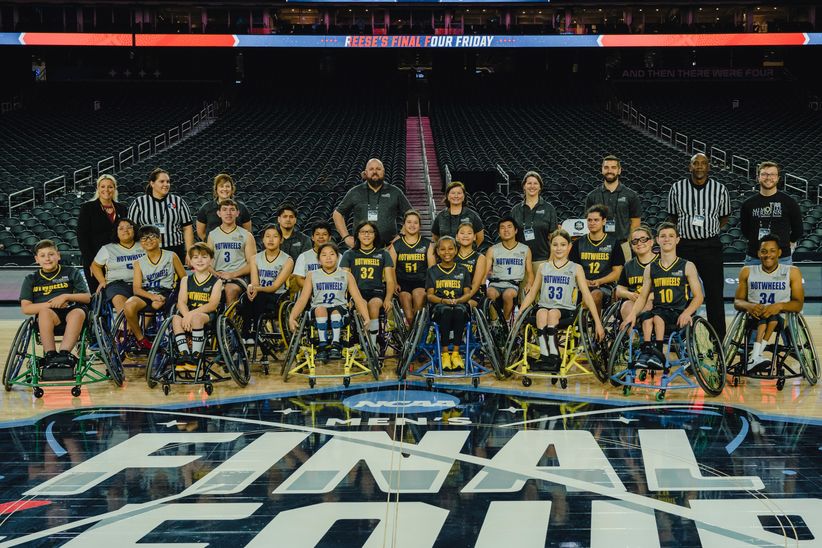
(707,257)
(179,250)
(450,318)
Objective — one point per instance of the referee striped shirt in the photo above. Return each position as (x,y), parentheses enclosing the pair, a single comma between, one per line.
(169,215)
(698,208)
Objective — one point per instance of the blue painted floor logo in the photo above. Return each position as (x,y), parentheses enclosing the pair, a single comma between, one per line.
(412,469)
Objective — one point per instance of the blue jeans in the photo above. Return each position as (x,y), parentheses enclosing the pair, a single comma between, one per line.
(749,261)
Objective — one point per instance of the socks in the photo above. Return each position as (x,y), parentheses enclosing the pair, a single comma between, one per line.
(373,330)
(197,340)
(543,346)
(550,334)
(336,326)
(322,330)
(182,344)
(756,354)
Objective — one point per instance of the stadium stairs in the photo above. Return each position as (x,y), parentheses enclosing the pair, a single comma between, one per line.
(414,168)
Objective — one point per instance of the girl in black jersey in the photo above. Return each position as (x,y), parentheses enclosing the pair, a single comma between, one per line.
(448,286)
(473,261)
(630,280)
(373,270)
(413,255)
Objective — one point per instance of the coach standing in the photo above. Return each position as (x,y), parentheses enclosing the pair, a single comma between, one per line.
(375,201)
(700,207)
(624,209)
(168,212)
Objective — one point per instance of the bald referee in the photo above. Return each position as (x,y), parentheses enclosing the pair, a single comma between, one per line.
(700,206)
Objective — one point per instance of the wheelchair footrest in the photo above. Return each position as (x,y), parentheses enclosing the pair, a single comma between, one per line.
(57,373)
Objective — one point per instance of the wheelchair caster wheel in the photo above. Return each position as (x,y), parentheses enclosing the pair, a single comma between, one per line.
(554,381)
(311,382)
(166,389)
(430,382)
(660,395)
(736,381)
(209,388)
(347,382)
(563,383)
(626,390)
(265,369)
(526,381)
(475,382)
(642,375)
(38,392)
(75,391)
(780,384)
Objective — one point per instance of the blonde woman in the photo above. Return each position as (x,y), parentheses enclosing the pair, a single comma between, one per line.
(224,189)
(96,222)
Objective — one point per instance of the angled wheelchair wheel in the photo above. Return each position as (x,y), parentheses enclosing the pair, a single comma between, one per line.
(233,351)
(489,344)
(283,312)
(803,347)
(121,336)
(18,356)
(733,347)
(705,353)
(595,350)
(162,354)
(495,321)
(412,342)
(515,343)
(367,348)
(108,352)
(399,330)
(620,358)
(294,345)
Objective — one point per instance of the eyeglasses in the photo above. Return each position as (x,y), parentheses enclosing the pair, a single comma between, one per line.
(637,241)
(148,237)
(366,232)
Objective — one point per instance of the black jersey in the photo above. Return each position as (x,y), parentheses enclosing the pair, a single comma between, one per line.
(40,287)
(367,267)
(199,293)
(633,273)
(598,258)
(468,261)
(670,285)
(412,259)
(448,283)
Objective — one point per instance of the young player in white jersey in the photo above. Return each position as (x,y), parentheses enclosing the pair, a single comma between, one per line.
(113,266)
(234,250)
(269,273)
(764,292)
(509,266)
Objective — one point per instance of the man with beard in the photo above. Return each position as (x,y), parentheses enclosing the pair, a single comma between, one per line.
(375,201)
(294,242)
(700,207)
(624,209)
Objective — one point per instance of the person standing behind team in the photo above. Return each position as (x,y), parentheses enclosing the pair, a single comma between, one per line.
(167,212)
(624,208)
(536,217)
(699,206)
(207,218)
(771,211)
(413,255)
(95,221)
(375,201)
(448,221)
(294,242)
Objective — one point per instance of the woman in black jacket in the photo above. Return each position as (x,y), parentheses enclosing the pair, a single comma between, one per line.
(96,221)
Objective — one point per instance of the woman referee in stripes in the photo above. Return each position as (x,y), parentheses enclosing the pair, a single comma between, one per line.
(168,212)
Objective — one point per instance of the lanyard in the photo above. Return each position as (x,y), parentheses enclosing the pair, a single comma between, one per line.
(369,192)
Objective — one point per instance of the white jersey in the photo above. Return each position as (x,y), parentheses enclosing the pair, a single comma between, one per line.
(159,275)
(309,262)
(329,289)
(558,285)
(509,264)
(269,270)
(229,248)
(119,261)
(769,288)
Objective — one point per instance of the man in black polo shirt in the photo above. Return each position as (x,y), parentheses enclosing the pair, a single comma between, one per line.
(624,209)
(770,212)
(294,242)
(375,201)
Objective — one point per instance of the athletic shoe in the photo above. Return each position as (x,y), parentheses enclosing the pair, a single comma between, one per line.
(456,362)
(656,360)
(185,362)
(144,345)
(249,341)
(446,361)
(541,363)
(322,354)
(553,363)
(758,364)
(336,351)
(46,360)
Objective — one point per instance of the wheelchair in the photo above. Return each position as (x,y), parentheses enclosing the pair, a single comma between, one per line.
(97,361)
(424,345)
(223,358)
(793,352)
(498,327)
(393,331)
(698,353)
(359,355)
(579,350)
(271,333)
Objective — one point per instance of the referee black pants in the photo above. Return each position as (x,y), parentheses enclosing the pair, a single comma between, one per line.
(707,257)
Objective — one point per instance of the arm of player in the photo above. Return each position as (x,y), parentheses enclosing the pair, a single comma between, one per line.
(529,268)
(300,304)
(640,301)
(281,278)
(356,296)
(531,295)
(696,287)
(588,299)
(741,296)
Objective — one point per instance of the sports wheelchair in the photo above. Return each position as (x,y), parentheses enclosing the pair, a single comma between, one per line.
(271,332)
(358,354)
(793,352)
(97,361)
(424,344)
(223,357)
(579,350)
(698,353)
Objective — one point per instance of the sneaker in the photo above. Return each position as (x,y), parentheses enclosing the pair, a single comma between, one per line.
(322,355)
(758,364)
(456,362)
(143,345)
(248,341)
(540,364)
(336,352)
(655,360)
(185,362)
(46,360)
(553,363)
(65,359)
(446,361)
